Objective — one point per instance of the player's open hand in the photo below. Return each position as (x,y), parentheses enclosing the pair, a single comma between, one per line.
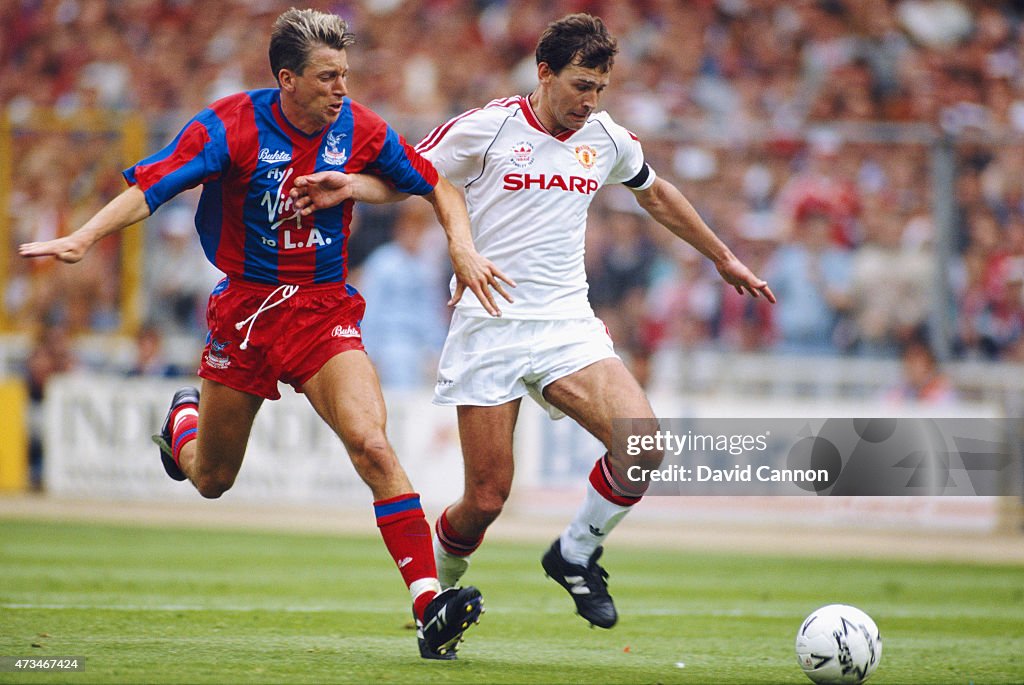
(69,249)
(321,190)
(481,276)
(736,274)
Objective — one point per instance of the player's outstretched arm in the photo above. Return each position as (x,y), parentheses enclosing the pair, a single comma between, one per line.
(472,270)
(325,189)
(124,210)
(329,188)
(669,207)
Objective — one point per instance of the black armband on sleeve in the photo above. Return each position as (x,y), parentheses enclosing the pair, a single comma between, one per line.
(640,178)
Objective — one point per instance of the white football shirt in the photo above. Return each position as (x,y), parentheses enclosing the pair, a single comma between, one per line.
(528,193)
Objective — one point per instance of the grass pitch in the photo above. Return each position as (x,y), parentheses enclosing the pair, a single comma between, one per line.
(154,605)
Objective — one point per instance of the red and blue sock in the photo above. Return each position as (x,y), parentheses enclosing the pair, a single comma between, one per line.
(406,534)
(184,429)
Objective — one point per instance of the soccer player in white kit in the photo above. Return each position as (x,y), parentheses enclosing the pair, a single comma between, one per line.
(530,166)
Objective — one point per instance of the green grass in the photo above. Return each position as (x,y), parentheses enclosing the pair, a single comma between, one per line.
(152,605)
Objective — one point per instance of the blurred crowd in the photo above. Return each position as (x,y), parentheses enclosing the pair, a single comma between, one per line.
(802,130)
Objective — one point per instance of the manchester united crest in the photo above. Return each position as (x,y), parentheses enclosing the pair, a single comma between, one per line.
(586,156)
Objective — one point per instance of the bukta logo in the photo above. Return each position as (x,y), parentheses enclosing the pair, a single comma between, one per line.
(273,157)
(345,332)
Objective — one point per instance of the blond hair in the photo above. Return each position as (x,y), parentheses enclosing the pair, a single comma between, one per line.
(298,32)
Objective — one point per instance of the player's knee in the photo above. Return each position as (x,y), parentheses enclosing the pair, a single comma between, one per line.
(372,454)
(635,443)
(487,503)
(213,485)
(648,459)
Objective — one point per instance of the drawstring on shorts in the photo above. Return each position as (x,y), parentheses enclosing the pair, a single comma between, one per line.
(286,292)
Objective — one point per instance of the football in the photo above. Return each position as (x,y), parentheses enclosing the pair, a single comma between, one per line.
(838,644)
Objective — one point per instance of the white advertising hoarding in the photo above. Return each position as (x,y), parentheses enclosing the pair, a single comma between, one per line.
(97,446)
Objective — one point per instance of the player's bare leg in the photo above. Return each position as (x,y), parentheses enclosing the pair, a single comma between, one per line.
(205,435)
(485,434)
(346,393)
(594,396)
(597,394)
(486,437)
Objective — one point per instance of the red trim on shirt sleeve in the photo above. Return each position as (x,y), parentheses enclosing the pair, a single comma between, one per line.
(420,163)
(437,135)
(191,143)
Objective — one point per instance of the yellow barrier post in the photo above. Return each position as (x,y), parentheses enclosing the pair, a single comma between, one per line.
(13,437)
(133,139)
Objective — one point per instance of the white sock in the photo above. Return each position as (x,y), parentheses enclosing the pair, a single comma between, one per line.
(450,567)
(180,416)
(418,587)
(596,513)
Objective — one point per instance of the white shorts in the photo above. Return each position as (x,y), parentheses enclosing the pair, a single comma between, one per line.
(487,361)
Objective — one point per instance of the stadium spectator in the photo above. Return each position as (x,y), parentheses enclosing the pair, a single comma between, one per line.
(971,301)
(403,327)
(623,263)
(999,324)
(682,304)
(890,285)
(179,281)
(285,313)
(744,324)
(619,276)
(923,380)
(150,360)
(51,355)
(811,276)
(821,187)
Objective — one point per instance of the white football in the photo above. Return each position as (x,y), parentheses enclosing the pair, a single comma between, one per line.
(838,644)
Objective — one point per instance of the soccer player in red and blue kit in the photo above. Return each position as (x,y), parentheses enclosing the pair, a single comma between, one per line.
(284,312)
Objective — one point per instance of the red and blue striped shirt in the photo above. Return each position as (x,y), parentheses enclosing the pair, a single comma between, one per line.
(246,155)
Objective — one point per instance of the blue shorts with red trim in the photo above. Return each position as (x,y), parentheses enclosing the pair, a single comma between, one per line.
(289,339)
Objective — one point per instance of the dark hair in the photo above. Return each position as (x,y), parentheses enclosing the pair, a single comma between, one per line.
(298,32)
(579,39)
